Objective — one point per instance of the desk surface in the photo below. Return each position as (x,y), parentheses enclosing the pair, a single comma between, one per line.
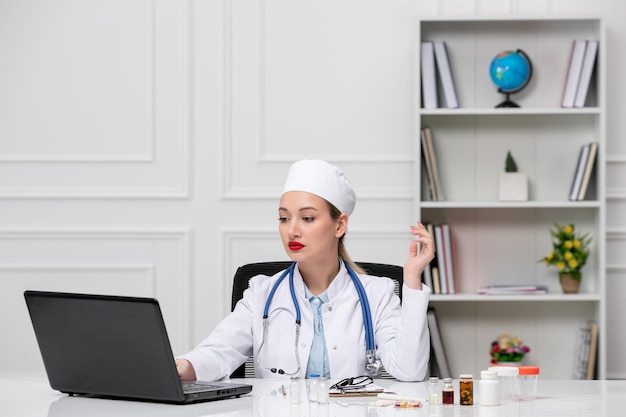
(33,397)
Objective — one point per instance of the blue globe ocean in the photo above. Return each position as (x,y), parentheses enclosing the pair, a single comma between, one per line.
(510,71)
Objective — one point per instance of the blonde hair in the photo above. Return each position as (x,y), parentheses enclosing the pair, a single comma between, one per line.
(335,213)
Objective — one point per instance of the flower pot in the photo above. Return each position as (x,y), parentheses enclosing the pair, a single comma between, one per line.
(570,283)
(513,186)
(508,363)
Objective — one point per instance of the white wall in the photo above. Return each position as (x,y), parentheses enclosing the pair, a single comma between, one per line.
(143,144)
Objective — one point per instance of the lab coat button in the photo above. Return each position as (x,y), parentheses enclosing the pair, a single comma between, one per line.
(334,347)
(303,345)
(330,308)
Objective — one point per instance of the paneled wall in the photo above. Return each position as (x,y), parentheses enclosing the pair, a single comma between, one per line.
(143,144)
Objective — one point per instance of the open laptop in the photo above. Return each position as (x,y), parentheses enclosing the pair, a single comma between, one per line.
(112,346)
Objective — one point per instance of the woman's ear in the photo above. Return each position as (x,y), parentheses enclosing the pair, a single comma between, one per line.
(342,225)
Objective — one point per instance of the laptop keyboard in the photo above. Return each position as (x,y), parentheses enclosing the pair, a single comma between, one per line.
(194,387)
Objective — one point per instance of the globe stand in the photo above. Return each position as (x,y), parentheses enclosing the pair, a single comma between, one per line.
(507,102)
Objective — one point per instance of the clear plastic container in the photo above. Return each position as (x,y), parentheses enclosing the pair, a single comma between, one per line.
(527,382)
(507,375)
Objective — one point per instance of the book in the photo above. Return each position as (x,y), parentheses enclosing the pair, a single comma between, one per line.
(428,166)
(586,351)
(445,75)
(582,349)
(593,350)
(427,277)
(439,359)
(429,76)
(585,75)
(577,56)
(591,158)
(433,162)
(513,289)
(436,280)
(578,174)
(433,266)
(441,260)
(449,257)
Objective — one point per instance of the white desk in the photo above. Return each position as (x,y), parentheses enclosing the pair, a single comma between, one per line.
(33,397)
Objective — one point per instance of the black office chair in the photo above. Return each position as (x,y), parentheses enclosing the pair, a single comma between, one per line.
(245,272)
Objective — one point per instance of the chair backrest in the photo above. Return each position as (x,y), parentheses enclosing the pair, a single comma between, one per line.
(245,272)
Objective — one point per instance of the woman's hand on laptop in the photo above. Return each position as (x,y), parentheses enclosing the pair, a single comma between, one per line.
(185,370)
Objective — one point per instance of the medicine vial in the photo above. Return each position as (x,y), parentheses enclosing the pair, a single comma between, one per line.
(447,393)
(466,389)
(489,388)
(322,391)
(313,388)
(294,390)
(434,391)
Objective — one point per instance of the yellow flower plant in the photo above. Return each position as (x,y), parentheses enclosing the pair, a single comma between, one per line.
(569,250)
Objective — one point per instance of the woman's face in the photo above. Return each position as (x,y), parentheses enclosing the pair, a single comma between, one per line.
(306,227)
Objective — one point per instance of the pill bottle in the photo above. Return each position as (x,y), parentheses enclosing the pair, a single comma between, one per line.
(488,388)
(527,382)
(447,392)
(314,387)
(434,391)
(294,390)
(466,389)
(322,390)
(507,375)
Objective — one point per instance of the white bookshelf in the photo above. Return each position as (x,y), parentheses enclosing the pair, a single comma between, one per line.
(501,242)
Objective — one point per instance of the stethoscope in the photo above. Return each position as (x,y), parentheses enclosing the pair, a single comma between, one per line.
(373,365)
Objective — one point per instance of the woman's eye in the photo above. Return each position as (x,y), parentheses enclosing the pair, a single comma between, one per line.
(282,219)
(308,219)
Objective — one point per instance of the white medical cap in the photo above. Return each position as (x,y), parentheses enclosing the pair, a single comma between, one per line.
(324,180)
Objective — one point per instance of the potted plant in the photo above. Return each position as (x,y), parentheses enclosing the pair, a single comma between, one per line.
(569,254)
(512,185)
(507,349)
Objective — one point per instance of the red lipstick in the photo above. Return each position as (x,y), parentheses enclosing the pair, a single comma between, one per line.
(295,245)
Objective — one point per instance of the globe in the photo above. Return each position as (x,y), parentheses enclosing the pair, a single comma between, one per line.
(510,71)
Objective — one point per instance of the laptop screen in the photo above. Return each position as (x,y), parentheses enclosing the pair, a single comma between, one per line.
(104,345)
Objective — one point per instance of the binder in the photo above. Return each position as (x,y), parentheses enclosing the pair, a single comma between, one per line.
(579,173)
(573,75)
(585,76)
(593,150)
(445,75)
(439,359)
(429,76)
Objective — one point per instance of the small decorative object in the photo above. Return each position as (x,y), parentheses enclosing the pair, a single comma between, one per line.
(507,349)
(570,251)
(512,185)
(510,71)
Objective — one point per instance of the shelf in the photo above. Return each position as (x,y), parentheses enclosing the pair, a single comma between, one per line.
(501,242)
(516,298)
(525,111)
(509,205)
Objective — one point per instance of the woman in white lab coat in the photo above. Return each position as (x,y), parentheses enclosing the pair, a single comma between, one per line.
(313,215)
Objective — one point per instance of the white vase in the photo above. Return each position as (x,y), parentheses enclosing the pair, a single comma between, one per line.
(513,186)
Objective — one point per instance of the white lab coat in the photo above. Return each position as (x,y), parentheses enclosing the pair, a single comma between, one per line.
(401,331)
